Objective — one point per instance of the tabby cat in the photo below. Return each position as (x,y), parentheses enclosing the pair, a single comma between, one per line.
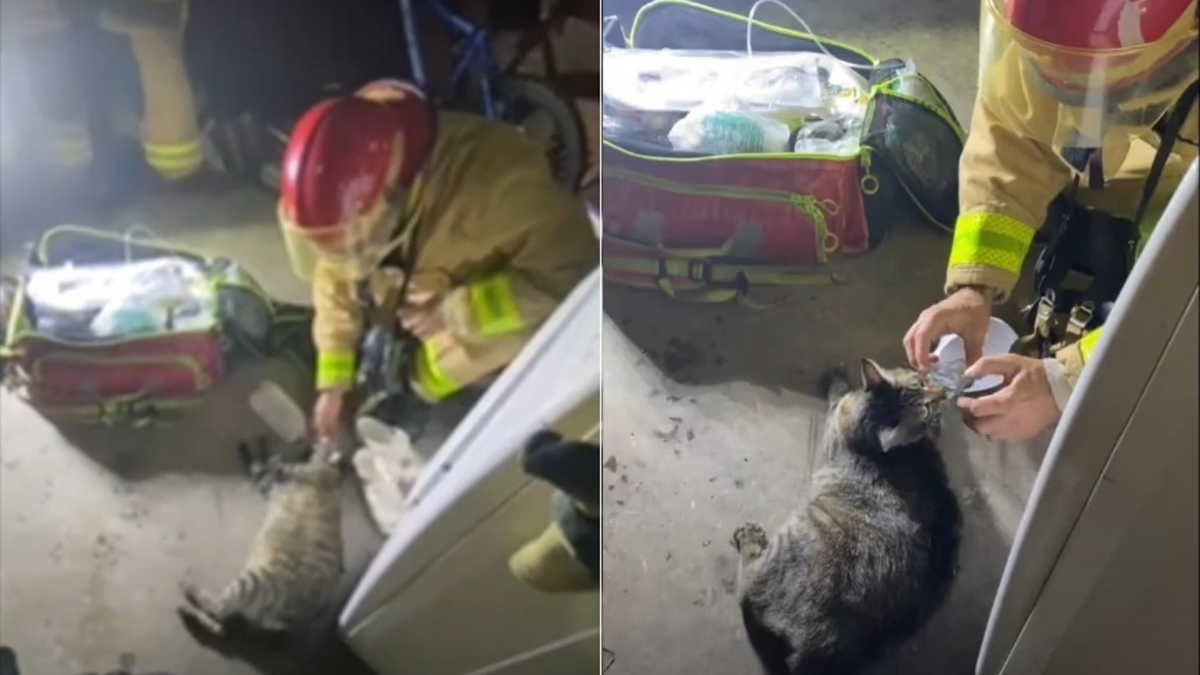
(296,559)
(866,561)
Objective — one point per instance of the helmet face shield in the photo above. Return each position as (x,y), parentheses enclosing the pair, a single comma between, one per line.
(354,249)
(1076,96)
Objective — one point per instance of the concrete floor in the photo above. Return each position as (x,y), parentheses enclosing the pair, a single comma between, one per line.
(710,418)
(98,527)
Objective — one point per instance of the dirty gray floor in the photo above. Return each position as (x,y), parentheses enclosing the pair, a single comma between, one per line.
(97,528)
(710,418)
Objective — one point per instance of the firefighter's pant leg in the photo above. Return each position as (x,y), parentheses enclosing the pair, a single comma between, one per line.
(171,136)
(55,83)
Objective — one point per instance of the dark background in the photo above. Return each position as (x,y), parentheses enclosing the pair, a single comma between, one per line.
(274,58)
(273,54)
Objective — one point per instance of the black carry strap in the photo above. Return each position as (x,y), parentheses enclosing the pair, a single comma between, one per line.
(1168,133)
(406,261)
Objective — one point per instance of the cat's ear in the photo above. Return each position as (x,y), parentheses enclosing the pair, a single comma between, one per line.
(872,375)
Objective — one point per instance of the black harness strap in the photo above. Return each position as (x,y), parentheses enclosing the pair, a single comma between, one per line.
(1080,273)
(1168,133)
(385,357)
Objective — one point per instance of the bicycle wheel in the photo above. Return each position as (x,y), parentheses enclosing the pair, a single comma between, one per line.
(532,105)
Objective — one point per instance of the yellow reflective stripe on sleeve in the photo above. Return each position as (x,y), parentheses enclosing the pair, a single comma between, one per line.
(175,161)
(1087,344)
(430,376)
(335,370)
(992,240)
(494,306)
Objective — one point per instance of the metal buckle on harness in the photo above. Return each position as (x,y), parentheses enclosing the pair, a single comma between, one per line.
(1034,344)
(1078,320)
(1043,322)
(699,270)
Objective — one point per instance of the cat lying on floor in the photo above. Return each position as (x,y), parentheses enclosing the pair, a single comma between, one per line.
(296,559)
(871,555)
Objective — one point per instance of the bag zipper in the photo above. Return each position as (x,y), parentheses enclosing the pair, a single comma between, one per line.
(98,344)
(806,205)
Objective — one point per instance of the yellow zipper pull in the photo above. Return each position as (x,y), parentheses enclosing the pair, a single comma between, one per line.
(809,206)
(869,183)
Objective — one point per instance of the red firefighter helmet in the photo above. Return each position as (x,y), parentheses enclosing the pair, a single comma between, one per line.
(347,170)
(1127,42)
(1123,60)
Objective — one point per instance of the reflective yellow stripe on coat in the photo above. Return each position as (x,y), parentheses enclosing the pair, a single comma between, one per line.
(432,380)
(335,370)
(992,240)
(175,161)
(495,307)
(1087,344)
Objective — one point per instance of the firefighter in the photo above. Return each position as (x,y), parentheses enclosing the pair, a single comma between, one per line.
(56,54)
(378,187)
(1070,90)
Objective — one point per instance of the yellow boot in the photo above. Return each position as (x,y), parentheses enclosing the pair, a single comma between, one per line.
(550,563)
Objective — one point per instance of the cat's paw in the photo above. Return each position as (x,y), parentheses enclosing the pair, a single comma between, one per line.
(197,608)
(750,540)
(834,383)
(190,592)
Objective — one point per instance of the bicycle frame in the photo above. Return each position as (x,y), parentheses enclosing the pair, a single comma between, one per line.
(477,55)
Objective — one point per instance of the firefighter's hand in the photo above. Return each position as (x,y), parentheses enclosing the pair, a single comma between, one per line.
(327,413)
(422,315)
(1022,409)
(967,313)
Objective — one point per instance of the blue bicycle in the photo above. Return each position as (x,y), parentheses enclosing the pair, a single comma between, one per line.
(529,103)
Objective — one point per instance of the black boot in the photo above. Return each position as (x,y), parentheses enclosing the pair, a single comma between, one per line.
(8,662)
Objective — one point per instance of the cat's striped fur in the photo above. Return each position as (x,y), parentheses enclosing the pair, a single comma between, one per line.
(871,553)
(296,559)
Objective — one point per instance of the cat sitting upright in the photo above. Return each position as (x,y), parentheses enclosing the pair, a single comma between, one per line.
(871,555)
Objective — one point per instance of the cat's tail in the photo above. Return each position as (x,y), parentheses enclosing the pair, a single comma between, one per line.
(834,384)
